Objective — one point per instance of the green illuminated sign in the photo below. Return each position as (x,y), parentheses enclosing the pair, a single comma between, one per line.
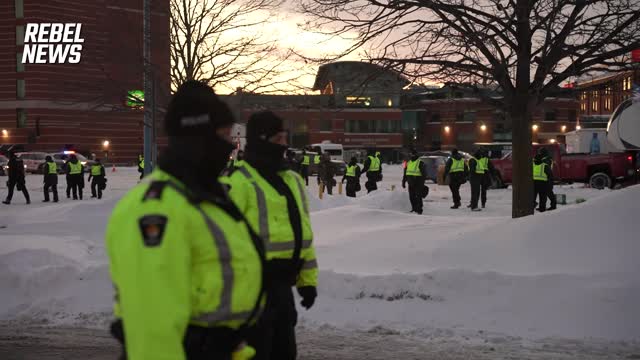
(135,98)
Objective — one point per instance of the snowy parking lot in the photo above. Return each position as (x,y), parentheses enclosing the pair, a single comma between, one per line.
(558,285)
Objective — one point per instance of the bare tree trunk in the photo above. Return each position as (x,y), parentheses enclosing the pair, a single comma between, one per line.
(521,159)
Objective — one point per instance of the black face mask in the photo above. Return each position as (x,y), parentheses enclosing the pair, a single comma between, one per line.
(414,157)
(197,162)
(265,155)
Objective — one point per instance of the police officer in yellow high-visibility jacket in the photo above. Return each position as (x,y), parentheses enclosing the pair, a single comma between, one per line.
(50,171)
(97,173)
(415,174)
(373,168)
(274,201)
(457,170)
(542,180)
(304,167)
(186,268)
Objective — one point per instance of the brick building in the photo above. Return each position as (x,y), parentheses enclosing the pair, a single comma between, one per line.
(599,97)
(452,116)
(49,107)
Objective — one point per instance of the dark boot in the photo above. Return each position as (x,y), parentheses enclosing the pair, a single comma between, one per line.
(6,202)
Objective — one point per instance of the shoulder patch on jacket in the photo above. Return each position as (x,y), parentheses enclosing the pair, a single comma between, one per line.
(155,191)
(152,229)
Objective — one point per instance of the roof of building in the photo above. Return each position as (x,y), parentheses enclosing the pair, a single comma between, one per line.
(356,72)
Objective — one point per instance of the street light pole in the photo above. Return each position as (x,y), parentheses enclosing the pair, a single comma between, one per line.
(148,87)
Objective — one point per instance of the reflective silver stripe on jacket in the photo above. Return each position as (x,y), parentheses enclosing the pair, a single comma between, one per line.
(263,214)
(224,311)
(287,245)
(311,264)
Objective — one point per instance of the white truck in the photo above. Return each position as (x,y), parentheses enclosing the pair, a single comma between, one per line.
(336,151)
(581,141)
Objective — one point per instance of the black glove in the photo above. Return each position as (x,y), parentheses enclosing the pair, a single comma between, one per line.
(309,295)
(404,184)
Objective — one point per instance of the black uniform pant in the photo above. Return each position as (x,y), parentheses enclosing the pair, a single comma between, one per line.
(304,172)
(372,181)
(54,189)
(328,185)
(484,186)
(541,192)
(552,197)
(454,186)
(69,186)
(415,196)
(476,183)
(352,187)
(77,184)
(12,184)
(274,336)
(96,186)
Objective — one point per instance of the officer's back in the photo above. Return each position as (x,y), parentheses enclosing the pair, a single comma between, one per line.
(187,271)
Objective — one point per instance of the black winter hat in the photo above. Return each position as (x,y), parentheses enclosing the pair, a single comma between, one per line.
(263,125)
(195,110)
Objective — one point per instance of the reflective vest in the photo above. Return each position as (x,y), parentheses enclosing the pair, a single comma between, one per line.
(482,165)
(549,159)
(141,162)
(305,160)
(96,170)
(538,172)
(266,210)
(316,159)
(413,168)
(75,168)
(375,163)
(53,168)
(457,165)
(173,263)
(351,170)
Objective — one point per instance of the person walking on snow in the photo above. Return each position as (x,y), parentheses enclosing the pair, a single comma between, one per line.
(16,179)
(50,171)
(415,174)
(274,201)
(457,170)
(98,175)
(352,175)
(75,171)
(373,168)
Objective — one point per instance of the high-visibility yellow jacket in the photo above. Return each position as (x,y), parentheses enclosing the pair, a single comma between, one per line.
(413,168)
(174,263)
(375,163)
(539,173)
(266,210)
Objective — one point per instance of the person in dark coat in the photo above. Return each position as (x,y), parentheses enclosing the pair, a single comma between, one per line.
(16,179)
(327,172)
(352,175)
(97,173)
(50,172)
(304,166)
(415,174)
(291,161)
(373,168)
(75,170)
(65,158)
(548,159)
(476,177)
(542,178)
(486,180)
(457,170)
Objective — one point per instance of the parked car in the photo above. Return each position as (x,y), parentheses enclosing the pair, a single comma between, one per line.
(60,157)
(598,170)
(33,161)
(432,163)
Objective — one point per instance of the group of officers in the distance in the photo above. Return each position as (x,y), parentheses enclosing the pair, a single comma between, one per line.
(73,170)
(203,259)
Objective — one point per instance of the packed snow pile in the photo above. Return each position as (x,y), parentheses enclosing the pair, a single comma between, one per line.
(570,273)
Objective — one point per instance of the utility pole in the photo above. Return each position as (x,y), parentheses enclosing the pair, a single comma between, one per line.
(148,88)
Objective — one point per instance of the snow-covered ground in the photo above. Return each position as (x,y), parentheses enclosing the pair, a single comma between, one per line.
(563,276)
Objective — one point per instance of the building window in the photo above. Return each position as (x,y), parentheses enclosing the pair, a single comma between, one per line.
(550,115)
(19,64)
(21,117)
(325,125)
(594,100)
(358,101)
(572,116)
(626,83)
(19,9)
(20,35)
(435,118)
(583,101)
(469,116)
(459,117)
